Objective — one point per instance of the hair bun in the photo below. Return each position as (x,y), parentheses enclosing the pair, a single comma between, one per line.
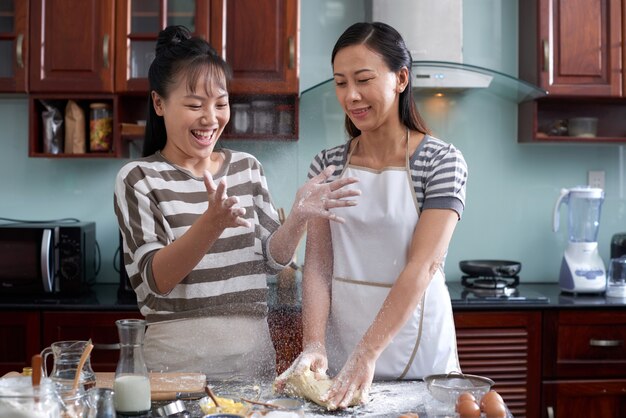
(170,37)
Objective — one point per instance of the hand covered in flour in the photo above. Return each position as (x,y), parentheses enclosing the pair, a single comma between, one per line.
(223,209)
(355,376)
(313,357)
(317,196)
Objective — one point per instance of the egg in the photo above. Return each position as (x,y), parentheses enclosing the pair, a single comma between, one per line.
(490,397)
(468,409)
(465,396)
(495,409)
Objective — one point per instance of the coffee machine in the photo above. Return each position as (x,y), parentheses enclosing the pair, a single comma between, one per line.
(618,245)
(582,268)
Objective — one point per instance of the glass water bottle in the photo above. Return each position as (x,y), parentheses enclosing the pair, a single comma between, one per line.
(132,383)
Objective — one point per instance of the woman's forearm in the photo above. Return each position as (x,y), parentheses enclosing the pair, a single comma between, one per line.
(316,283)
(171,264)
(286,239)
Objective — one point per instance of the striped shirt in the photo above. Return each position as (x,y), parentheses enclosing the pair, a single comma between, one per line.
(156,202)
(438,171)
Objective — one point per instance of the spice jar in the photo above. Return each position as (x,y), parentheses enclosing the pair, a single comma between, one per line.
(100,127)
(285,119)
(263,116)
(241,117)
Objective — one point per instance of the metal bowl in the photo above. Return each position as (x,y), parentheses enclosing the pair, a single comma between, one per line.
(176,408)
(447,387)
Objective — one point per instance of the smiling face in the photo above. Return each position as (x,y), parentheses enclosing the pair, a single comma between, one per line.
(366,88)
(195,117)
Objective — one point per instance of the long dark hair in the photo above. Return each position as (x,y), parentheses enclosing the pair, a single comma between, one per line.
(386,41)
(177,53)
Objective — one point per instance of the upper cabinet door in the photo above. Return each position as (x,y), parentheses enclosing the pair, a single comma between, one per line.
(74,44)
(580,47)
(138,26)
(13,46)
(261,44)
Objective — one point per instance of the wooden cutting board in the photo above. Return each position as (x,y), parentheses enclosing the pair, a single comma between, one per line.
(163,386)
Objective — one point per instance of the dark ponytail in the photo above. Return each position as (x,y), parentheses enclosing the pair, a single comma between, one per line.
(179,54)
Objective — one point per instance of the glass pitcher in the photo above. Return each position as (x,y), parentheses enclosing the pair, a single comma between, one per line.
(583,219)
(131,388)
(66,356)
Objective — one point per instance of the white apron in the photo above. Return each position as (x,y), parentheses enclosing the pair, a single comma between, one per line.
(370,251)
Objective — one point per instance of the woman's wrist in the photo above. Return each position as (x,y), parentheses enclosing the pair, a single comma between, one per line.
(367,351)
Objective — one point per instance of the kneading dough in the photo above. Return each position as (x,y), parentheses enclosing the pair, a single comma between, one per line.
(306,385)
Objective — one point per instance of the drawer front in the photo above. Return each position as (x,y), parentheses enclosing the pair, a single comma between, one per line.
(589,344)
(592,343)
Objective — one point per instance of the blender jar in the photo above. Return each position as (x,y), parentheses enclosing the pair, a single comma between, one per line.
(583,216)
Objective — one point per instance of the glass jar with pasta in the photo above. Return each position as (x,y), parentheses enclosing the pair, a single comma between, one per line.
(100,127)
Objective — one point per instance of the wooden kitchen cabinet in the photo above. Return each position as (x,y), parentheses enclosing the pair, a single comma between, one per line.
(539,120)
(572,48)
(14,46)
(98,326)
(258,39)
(506,347)
(19,339)
(75,46)
(584,363)
(260,43)
(111,57)
(137,27)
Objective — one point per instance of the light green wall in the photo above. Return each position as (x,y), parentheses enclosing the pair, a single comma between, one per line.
(511,190)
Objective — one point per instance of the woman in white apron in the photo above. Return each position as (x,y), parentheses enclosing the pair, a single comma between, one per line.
(375,302)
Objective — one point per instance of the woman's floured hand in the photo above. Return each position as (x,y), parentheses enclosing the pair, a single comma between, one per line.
(313,358)
(317,196)
(355,376)
(224,209)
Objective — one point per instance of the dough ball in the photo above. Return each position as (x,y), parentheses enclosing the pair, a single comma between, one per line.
(307,386)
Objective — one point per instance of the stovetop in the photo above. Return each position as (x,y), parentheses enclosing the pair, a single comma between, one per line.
(493,290)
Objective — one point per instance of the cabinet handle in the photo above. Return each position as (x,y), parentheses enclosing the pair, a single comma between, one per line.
(292,53)
(105,50)
(546,55)
(550,411)
(19,53)
(605,343)
(97,346)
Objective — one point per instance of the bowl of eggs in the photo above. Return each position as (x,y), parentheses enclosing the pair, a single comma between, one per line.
(491,405)
(447,387)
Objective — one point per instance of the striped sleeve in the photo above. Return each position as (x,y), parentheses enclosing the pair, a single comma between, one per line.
(333,156)
(439,174)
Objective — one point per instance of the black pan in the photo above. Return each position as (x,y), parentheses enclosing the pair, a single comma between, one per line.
(488,268)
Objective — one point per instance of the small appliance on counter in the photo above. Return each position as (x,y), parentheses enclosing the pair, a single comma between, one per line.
(616,279)
(618,245)
(55,259)
(582,268)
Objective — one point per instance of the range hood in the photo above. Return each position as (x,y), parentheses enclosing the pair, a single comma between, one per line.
(433,32)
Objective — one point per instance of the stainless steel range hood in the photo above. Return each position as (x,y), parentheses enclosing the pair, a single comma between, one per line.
(433,32)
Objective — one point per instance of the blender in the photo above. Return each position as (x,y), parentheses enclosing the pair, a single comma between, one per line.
(582,268)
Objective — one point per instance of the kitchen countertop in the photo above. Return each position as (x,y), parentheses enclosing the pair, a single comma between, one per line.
(387,399)
(103,297)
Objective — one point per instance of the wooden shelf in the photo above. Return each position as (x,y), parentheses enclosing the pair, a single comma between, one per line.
(538,118)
